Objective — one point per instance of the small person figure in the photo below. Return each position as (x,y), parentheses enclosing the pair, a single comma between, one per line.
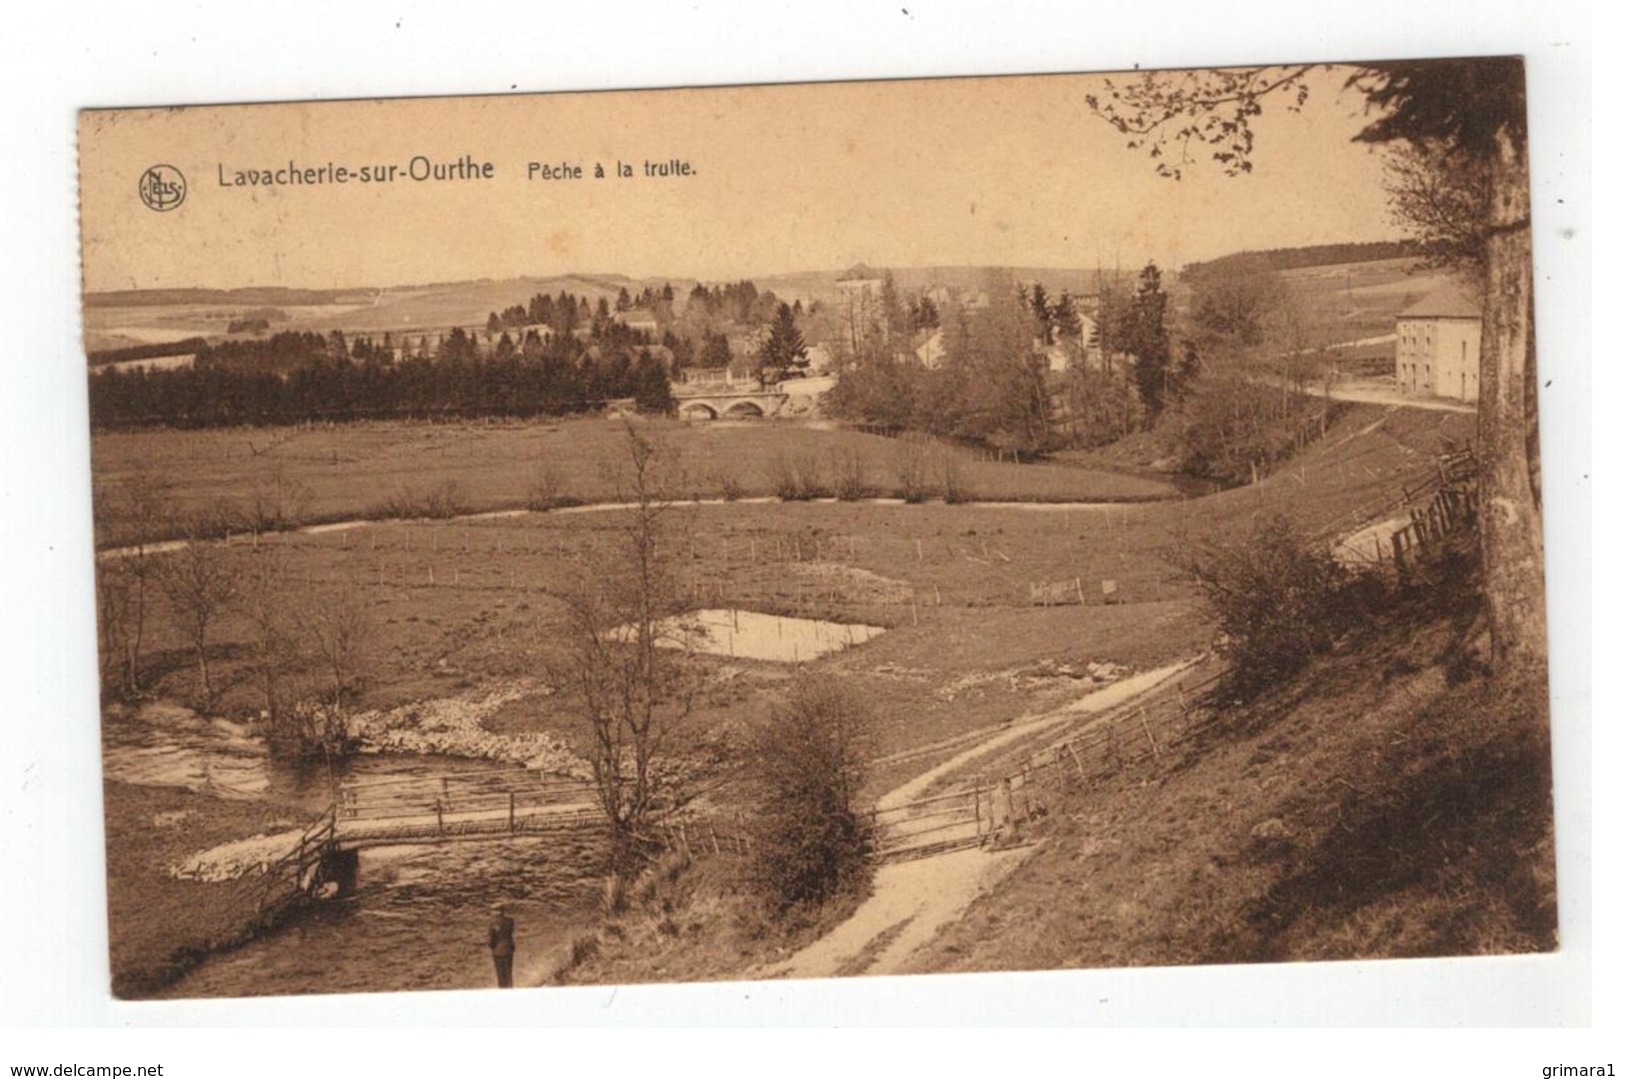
(502,945)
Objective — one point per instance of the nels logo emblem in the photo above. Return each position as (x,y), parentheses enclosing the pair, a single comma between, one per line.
(162,187)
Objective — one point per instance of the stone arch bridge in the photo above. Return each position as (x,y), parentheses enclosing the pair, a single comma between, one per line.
(727,404)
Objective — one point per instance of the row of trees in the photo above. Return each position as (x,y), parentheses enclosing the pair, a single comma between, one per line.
(307,655)
(552,377)
(994,384)
(567,312)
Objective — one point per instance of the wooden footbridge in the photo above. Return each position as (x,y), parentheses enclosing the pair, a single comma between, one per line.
(412,809)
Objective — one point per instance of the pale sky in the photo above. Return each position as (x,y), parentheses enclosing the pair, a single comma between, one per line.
(1006,171)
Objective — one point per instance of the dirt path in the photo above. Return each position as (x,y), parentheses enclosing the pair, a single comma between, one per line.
(913,900)
(1100,700)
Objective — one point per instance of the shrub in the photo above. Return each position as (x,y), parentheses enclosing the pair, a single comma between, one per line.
(796,478)
(547,489)
(851,473)
(583,948)
(445,499)
(954,488)
(1280,598)
(811,841)
(912,463)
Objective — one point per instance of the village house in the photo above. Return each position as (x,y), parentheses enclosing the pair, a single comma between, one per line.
(1437,344)
(929,348)
(640,320)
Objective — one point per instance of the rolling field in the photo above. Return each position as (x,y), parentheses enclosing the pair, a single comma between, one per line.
(318,474)
(965,590)
(1356,301)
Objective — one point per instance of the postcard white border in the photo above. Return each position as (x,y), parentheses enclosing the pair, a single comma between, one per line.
(54,938)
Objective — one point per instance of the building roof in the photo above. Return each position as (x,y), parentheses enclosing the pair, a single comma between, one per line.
(1449,300)
(860,272)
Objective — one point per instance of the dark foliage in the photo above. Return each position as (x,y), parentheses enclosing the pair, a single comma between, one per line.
(300,377)
(1280,598)
(811,841)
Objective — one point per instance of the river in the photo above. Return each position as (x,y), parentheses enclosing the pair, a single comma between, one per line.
(418,916)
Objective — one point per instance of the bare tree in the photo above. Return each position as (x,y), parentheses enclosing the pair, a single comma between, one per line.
(338,629)
(335,628)
(625,643)
(137,510)
(262,598)
(276,502)
(115,595)
(200,582)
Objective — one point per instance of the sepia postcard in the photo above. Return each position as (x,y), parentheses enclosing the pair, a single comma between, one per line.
(821,530)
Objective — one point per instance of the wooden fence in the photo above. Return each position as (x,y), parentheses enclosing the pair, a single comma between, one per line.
(993,810)
(295,877)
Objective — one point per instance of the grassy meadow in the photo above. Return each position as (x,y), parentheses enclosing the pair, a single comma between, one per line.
(990,611)
(455,604)
(309,475)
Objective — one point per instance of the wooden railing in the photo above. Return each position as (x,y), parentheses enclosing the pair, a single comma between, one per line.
(461,805)
(992,810)
(1447,503)
(292,878)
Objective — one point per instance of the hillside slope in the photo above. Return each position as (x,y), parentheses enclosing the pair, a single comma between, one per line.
(1392,801)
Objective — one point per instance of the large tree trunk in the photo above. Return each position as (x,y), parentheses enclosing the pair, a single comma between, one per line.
(1511,520)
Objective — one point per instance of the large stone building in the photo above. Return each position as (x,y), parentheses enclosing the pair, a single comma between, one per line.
(1436,351)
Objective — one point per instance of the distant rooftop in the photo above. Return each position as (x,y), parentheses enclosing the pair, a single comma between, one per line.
(1449,300)
(860,272)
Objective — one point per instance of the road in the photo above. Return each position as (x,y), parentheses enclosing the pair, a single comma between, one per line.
(1375,392)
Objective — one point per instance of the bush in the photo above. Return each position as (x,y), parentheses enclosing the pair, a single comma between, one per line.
(1280,598)
(547,489)
(954,488)
(446,499)
(913,461)
(811,842)
(851,470)
(796,478)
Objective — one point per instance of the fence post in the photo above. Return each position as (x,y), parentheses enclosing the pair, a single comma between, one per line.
(1155,752)
(1076,763)
(510,811)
